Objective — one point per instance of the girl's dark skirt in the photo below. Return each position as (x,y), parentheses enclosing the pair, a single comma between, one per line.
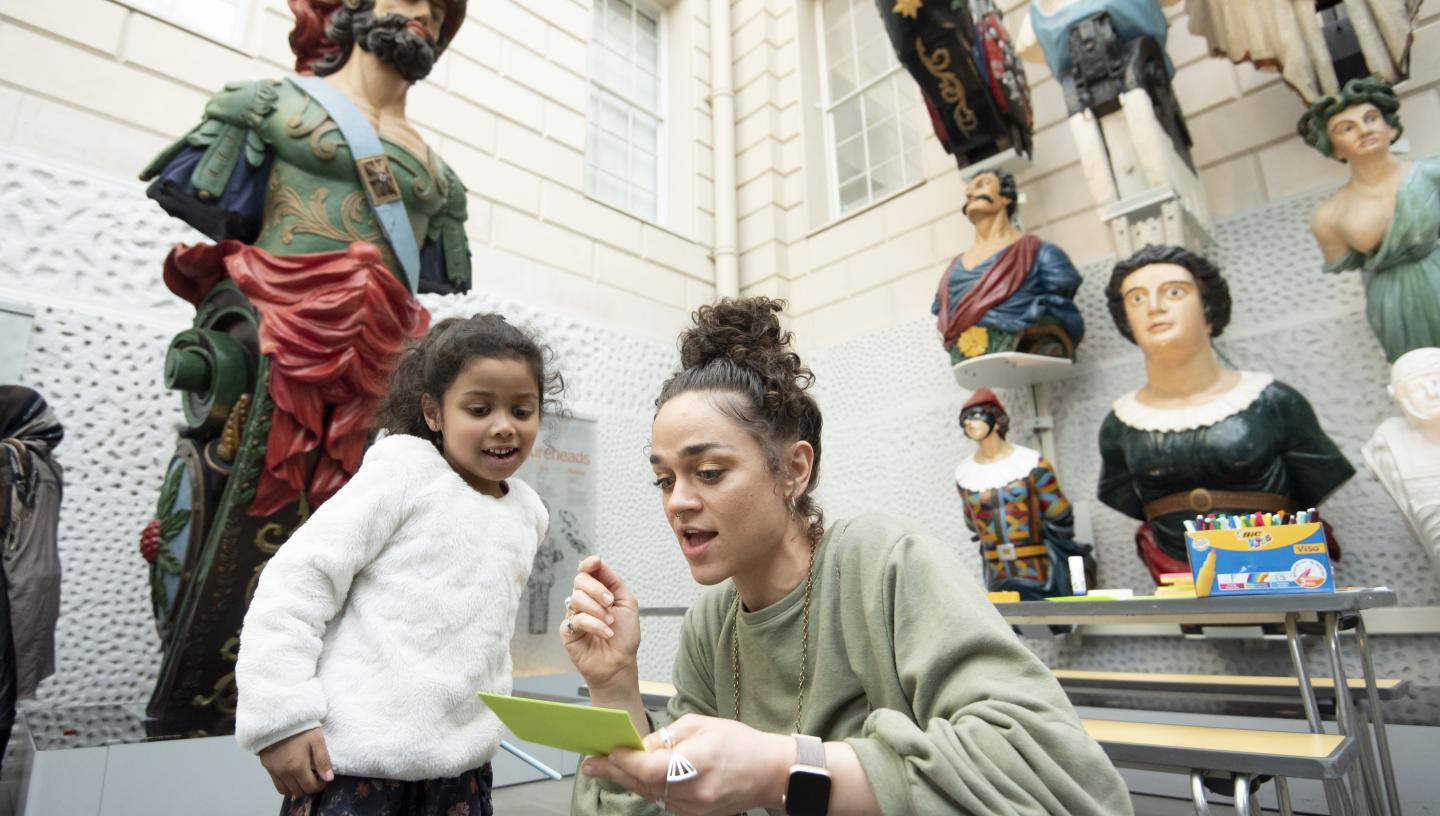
(465,795)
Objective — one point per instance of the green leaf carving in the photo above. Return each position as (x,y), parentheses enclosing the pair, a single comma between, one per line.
(168,492)
(172,524)
(166,562)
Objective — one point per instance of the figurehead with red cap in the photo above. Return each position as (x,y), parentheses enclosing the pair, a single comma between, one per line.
(396,31)
(984,407)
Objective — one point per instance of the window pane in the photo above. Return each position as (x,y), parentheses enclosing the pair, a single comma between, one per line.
(617,25)
(850,158)
(646,88)
(875,55)
(883,141)
(642,203)
(610,188)
(647,26)
(645,132)
(848,120)
(647,52)
(613,119)
(610,157)
(642,168)
(879,104)
(886,178)
(853,194)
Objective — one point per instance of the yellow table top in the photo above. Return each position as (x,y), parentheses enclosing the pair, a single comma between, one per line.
(1202,679)
(1238,740)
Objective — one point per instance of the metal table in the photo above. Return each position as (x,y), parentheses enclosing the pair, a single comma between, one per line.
(1328,609)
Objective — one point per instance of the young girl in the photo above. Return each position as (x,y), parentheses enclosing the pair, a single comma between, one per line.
(375,624)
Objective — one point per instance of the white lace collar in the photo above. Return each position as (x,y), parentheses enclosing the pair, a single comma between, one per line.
(972,475)
(1145,418)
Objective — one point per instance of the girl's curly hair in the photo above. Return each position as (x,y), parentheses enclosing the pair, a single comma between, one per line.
(430,365)
(737,347)
(1314,124)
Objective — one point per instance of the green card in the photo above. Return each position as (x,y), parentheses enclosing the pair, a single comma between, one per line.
(580,728)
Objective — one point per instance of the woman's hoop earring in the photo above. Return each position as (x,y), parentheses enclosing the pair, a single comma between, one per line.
(794,506)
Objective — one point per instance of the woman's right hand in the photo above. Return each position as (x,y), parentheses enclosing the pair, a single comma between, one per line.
(602,632)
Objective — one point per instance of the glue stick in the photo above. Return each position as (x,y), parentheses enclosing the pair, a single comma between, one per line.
(1077,574)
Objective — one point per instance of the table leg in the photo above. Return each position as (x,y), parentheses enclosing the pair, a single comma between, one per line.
(1377,715)
(1345,715)
(1297,660)
(1282,796)
(1242,794)
(1197,793)
(1335,794)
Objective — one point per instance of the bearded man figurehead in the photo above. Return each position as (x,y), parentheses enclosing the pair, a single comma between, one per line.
(407,35)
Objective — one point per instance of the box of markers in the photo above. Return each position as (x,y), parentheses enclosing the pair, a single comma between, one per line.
(1284,559)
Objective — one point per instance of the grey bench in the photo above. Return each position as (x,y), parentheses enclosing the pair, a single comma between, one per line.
(1246,753)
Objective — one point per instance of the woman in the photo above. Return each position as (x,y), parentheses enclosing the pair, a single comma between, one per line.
(1014,505)
(829,633)
(1199,438)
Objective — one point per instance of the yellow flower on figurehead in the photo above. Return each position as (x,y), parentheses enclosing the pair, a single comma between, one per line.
(909,8)
(973,341)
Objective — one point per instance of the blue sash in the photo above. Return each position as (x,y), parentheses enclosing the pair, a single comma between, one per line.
(381,187)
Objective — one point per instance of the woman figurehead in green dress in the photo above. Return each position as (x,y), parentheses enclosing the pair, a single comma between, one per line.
(846,668)
(1199,437)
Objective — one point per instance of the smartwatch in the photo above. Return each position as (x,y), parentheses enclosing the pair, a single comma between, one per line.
(808,793)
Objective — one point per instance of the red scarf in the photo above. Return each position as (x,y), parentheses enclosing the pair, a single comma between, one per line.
(999,282)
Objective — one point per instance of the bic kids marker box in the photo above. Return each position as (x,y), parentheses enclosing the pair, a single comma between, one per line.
(1284,559)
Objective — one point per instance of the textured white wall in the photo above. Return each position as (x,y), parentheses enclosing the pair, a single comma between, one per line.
(87,251)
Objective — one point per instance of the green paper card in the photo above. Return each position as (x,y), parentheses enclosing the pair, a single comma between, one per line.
(580,728)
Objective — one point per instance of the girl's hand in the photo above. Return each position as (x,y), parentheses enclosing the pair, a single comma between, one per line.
(602,631)
(738,767)
(299,765)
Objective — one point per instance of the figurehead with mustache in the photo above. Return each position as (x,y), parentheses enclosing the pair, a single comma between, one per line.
(1008,291)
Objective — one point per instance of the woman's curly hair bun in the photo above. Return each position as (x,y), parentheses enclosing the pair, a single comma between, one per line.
(747,331)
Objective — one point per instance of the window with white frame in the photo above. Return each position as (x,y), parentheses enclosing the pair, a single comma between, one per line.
(622,150)
(872,142)
(222,20)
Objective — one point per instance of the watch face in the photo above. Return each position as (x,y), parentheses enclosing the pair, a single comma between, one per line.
(808,794)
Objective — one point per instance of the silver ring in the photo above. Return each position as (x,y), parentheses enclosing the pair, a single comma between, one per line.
(666,738)
(680,768)
(570,625)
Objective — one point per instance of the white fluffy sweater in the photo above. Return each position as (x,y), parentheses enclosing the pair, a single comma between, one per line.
(383,615)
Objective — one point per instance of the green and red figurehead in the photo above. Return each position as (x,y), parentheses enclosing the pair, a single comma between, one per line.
(407,34)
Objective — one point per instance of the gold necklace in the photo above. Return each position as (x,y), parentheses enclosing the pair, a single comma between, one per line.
(804,643)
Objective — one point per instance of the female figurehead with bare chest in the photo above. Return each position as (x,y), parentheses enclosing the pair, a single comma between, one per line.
(1384,220)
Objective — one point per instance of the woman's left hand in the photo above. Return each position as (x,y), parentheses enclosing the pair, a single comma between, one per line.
(738,767)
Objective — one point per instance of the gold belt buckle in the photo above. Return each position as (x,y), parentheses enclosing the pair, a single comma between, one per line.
(378,179)
(1201,500)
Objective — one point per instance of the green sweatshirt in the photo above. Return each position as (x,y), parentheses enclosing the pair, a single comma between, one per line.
(910,664)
